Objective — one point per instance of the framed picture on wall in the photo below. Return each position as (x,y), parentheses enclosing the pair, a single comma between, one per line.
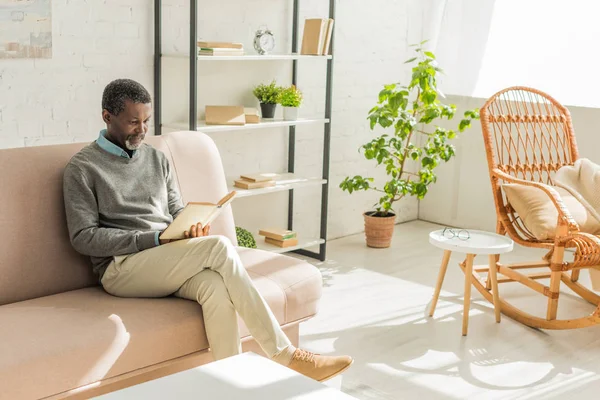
(25,29)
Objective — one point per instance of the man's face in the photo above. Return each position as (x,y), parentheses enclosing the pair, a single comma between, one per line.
(129,128)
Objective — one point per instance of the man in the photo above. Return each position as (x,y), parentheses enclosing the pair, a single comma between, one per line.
(120,194)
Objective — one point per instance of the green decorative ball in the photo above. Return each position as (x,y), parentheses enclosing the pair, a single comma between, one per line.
(245,238)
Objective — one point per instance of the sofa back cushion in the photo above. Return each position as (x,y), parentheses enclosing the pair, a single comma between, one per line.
(200,174)
(36,257)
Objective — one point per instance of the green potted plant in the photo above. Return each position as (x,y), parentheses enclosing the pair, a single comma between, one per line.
(245,238)
(290,99)
(410,148)
(268,96)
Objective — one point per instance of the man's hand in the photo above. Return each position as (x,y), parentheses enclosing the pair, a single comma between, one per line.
(195,231)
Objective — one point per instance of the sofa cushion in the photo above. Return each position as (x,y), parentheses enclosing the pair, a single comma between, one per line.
(200,174)
(60,342)
(300,281)
(31,196)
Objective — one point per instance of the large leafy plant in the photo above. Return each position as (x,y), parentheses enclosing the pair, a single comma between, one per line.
(413,138)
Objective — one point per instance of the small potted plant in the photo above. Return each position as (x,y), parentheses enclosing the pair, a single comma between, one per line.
(268,96)
(290,99)
(245,238)
(406,112)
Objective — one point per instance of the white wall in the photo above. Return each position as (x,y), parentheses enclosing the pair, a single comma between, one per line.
(463,195)
(58,100)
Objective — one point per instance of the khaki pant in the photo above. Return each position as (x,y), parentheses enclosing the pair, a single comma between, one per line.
(207,270)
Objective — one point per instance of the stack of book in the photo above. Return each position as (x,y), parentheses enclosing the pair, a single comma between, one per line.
(230,115)
(220,49)
(316,39)
(279,237)
(252,116)
(224,115)
(255,181)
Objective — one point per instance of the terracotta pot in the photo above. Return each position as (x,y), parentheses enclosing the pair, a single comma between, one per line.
(379,230)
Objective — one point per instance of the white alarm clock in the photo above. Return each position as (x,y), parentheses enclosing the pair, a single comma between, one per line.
(264,41)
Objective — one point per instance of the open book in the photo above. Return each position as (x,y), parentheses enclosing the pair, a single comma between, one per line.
(193,213)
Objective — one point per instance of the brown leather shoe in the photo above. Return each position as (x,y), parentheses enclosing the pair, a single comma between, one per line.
(318,367)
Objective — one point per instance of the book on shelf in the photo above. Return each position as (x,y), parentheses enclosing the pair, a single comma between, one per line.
(252,116)
(220,45)
(312,37)
(316,38)
(282,243)
(206,51)
(196,212)
(246,184)
(277,234)
(327,43)
(225,115)
(260,177)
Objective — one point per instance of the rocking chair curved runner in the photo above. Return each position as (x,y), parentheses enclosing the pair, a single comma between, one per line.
(529,136)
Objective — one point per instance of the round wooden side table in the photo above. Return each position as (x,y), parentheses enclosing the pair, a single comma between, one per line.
(471,243)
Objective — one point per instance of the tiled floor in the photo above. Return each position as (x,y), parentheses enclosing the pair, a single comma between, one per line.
(374,308)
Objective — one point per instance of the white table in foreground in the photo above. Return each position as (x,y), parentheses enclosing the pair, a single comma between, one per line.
(478,242)
(247,376)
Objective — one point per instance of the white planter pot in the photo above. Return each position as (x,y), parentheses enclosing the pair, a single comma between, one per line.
(290,113)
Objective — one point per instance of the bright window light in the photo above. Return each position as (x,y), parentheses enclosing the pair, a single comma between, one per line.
(552,45)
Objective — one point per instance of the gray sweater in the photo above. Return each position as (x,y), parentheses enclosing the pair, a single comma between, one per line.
(117,205)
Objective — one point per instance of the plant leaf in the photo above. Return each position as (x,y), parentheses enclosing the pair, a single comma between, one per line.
(464,124)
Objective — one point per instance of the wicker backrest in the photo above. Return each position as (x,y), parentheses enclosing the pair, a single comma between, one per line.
(527,134)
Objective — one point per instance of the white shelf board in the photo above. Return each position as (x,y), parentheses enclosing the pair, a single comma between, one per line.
(285,181)
(302,243)
(252,57)
(265,123)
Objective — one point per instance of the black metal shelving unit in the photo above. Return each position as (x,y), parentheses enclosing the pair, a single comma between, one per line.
(193,106)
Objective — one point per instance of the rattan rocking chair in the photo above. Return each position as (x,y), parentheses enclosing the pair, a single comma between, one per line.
(528,136)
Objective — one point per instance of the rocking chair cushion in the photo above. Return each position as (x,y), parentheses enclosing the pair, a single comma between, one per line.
(539,215)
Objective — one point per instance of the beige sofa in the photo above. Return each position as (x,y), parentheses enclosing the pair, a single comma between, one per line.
(61,335)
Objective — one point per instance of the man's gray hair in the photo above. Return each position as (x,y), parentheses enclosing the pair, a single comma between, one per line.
(119,91)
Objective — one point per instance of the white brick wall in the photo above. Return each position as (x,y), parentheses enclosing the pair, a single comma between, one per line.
(371,47)
(58,100)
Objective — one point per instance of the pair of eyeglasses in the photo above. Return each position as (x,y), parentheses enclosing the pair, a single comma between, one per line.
(450,233)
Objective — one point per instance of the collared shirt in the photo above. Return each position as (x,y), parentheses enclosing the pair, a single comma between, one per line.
(112,148)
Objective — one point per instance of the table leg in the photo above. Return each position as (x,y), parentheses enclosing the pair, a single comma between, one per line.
(467,304)
(493,273)
(488,281)
(440,281)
